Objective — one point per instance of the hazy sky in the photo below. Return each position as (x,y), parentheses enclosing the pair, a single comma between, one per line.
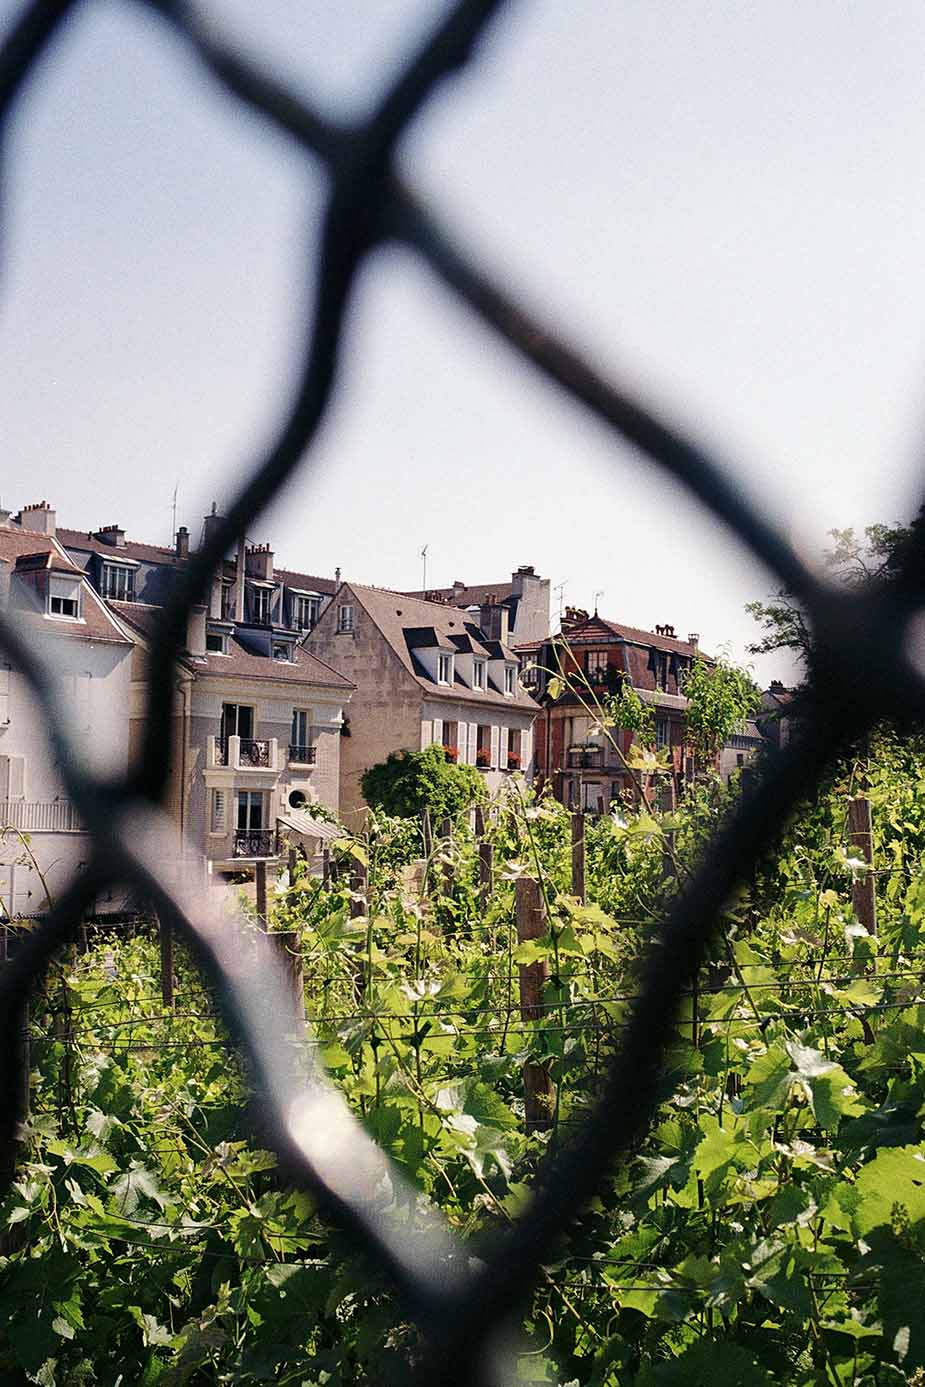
(722,203)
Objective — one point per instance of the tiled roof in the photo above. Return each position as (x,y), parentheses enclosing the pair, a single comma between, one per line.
(469,596)
(131,549)
(305,668)
(397,613)
(27,549)
(310,581)
(597,628)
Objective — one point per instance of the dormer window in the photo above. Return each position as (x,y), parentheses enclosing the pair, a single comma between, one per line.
(306,612)
(282,650)
(478,674)
(444,669)
(509,679)
(118,582)
(64,597)
(345,618)
(260,606)
(216,643)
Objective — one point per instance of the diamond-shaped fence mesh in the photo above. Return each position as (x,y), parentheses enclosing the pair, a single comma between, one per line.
(864,671)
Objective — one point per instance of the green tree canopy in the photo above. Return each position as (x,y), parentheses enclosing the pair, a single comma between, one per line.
(408,782)
(721,696)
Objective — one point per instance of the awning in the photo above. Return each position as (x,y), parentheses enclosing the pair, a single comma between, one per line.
(301,822)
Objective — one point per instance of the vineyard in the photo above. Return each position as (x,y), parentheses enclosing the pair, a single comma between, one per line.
(465,989)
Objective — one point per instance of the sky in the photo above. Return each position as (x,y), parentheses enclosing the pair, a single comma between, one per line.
(722,205)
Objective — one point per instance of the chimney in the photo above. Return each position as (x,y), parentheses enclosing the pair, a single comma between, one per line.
(694,639)
(459,587)
(239,580)
(574,616)
(111,534)
(258,562)
(38,517)
(196,631)
(337,575)
(183,542)
(4,519)
(211,523)
(494,620)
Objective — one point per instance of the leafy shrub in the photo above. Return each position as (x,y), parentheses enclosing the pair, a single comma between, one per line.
(408,782)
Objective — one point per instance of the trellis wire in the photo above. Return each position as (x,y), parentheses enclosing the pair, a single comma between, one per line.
(862,672)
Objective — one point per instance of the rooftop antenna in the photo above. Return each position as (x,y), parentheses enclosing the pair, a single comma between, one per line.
(560,589)
(599,593)
(423,556)
(174,532)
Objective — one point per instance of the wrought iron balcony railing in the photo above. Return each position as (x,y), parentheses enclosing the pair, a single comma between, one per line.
(254,842)
(590,760)
(302,755)
(254,753)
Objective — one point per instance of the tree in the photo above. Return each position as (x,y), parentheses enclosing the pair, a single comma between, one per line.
(721,696)
(408,782)
(852,561)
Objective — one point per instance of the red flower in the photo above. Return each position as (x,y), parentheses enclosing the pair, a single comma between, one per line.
(452,753)
(483,757)
(513,760)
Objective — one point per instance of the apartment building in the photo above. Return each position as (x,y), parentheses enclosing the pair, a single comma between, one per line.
(88,649)
(517,612)
(255,732)
(424,672)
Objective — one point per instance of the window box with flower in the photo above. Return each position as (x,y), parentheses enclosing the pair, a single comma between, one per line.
(513,760)
(452,753)
(483,758)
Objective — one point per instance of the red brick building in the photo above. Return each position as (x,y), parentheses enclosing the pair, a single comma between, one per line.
(571,750)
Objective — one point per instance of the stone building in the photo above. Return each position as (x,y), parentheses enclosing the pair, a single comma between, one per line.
(425,672)
(89,651)
(517,612)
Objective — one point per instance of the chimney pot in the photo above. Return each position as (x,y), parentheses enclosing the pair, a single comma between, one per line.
(182,542)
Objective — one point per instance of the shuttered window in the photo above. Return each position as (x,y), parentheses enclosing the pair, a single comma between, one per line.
(218,811)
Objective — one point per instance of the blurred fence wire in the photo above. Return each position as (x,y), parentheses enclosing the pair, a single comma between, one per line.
(864,670)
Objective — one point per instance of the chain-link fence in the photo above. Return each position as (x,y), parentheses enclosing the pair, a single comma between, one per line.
(865,669)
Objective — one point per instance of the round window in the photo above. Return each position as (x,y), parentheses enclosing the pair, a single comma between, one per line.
(297,799)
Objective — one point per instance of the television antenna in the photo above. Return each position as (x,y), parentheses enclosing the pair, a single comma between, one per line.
(423,557)
(560,589)
(599,593)
(173,534)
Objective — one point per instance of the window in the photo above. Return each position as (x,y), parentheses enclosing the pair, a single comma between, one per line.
(5,681)
(306,612)
(282,650)
(662,734)
(217,821)
(508,679)
(443,669)
(260,605)
(483,746)
(478,674)
(64,597)
(661,672)
(529,674)
(237,721)
(228,601)
(250,811)
(118,582)
(596,666)
(216,643)
(514,749)
(301,747)
(345,618)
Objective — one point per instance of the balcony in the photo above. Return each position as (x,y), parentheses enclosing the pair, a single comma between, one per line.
(585,759)
(254,842)
(40,816)
(244,753)
(302,755)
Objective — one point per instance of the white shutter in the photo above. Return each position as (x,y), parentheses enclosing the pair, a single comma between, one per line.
(426,729)
(5,681)
(495,745)
(462,740)
(526,749)
(473,741)
(502,751)
(12,777)
(437,737)
(218,811)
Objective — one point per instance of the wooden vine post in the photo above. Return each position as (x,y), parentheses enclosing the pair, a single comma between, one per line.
(165,940)
(863,889)
(578,856)
(531,924)
(289,949)
(260,878)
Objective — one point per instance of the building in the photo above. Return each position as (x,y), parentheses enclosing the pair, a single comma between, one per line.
(573,753)
(255,734)
(516,612)
(776,714)
(425,672)
(42,841)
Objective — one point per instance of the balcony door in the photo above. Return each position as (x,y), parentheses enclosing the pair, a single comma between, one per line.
(237,721)
(251,811)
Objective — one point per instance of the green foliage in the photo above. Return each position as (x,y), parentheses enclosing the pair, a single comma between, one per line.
(408,782)
(721,697)
(770,1226)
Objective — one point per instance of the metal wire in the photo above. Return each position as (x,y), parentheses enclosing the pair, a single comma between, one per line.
(862,673)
